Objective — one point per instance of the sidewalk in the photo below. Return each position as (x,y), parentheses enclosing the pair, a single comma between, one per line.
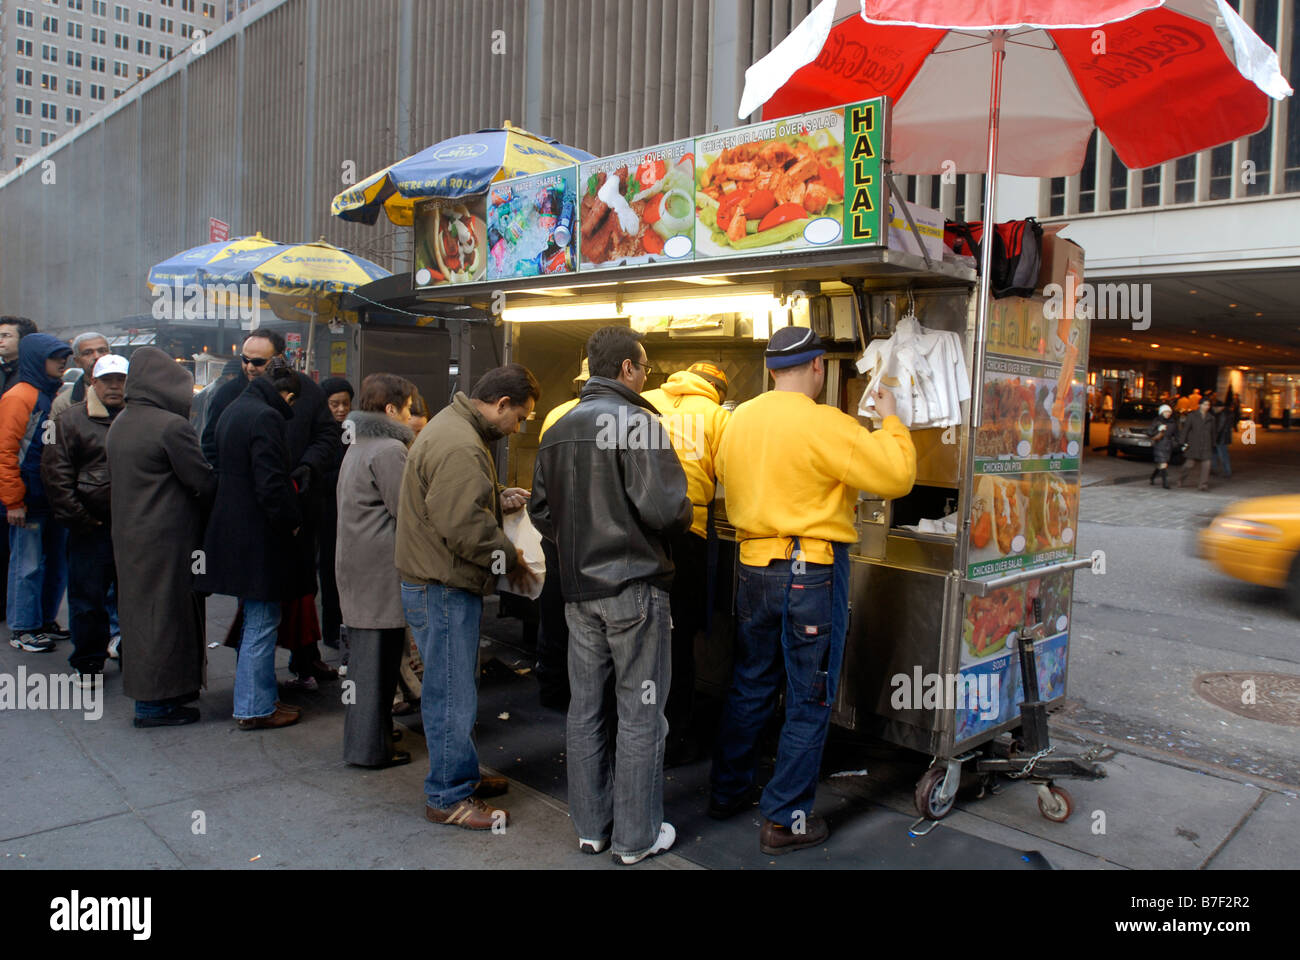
(100,794)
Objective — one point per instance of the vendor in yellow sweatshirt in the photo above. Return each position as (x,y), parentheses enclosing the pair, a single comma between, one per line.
(690,405)
(791,469)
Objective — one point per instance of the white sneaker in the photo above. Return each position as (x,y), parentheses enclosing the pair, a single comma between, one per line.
(667,835)
(343,670)
(114,646)
(592,846)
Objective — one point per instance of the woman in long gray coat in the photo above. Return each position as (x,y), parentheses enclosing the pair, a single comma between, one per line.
(162,489)
(370,594)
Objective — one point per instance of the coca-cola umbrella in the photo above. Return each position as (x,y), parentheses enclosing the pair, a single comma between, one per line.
(1160,78)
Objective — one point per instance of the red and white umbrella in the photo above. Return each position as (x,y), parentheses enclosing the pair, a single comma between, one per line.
(1160,78)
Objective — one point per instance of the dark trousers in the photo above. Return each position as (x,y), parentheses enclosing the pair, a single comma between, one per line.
(553,633)
(330,616)
(368,721)
(689,602)
(91,575)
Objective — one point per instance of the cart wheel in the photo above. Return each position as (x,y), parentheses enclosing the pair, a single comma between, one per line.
(1061,807)
(928,789)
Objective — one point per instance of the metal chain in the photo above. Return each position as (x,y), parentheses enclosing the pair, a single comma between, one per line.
(1029,767)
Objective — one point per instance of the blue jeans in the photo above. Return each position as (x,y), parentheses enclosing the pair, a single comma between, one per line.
(38,572)
(445,623)
(255,690)
(619,797)
(797,621)
(1221,454)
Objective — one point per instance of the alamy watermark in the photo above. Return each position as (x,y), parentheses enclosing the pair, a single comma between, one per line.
(682,432)
(207,301)
(980,693)
(1100,301)
(40,691)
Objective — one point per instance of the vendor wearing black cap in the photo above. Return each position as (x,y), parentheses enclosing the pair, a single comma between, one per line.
(690,403)
(792,469)
(338,395)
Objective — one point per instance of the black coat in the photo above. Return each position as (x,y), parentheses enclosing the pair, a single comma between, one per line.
(1225,421)
(162,487)
(314,442)
(250,543)
(1162,450)
(1198,433)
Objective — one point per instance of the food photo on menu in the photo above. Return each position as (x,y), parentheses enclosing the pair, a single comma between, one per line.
(771,194)
(638,209)
(450,241)
(530,226)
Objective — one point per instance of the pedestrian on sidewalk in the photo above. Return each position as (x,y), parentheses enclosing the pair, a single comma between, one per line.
(250,542)
(38,543)
(87,348)
(610,491)
(1198,436)
(338,397)
(162,489)
(77,481)
(370,593)
(1164,431)
(691,405)
(12,330)
(792,469)
(450,550)
(1224,425)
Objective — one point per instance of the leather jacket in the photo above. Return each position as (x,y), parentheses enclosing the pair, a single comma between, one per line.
(609,490)
(74,468)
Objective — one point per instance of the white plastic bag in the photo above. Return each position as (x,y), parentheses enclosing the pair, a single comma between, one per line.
(521,532)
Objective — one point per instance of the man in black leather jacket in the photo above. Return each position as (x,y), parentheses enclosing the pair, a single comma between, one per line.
(609,490)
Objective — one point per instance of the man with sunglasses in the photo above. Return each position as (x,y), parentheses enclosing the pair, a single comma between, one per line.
(313,438)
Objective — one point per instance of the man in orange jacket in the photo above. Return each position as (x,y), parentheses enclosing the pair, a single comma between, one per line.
(690,403)
(38,564)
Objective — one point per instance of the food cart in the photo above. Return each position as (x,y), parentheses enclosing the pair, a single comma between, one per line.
(941,614)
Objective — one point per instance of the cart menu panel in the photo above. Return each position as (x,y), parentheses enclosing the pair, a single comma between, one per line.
(637,208)
(802,183)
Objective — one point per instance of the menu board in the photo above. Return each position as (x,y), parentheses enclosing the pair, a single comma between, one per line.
(450,241)
(989,674)
(637,208)
(811,181)
(794,184)
(530,225)
(1030,442)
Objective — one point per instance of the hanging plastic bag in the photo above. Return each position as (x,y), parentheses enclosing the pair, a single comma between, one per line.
(521,532)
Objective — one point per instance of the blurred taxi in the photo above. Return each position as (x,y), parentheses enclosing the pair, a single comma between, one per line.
(1258,541)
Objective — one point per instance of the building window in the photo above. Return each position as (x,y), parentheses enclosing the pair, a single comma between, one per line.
(72,116)
(121,69)
(165,51)
(26,19)
(143,19)
(23,106)
(74,4)
(48,137)
(50,81)
(99,8)
(98,64)
(1088,177)
(1056,197)
(143,46)
(24,78)
(121,41)
(74,88)
(50,24)
(1118,182)
(74,30)
(74,58)
(49,111)
(1151,186)
(49,53)
(98,36)
(209,10)
(141,72)
(1185,179)
(166,26)
(187,6)
(24,47)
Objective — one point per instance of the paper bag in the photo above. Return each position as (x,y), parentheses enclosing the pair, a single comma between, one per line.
(521,532)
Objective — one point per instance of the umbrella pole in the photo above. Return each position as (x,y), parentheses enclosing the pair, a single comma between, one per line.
(311,341)
(999,39)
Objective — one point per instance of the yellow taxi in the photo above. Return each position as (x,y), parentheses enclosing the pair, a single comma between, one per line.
(1258,541)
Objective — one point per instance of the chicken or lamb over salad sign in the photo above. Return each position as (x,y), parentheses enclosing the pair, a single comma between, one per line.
(638,208)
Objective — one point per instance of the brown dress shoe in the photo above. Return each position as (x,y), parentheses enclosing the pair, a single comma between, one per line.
(281,718)
(491,786)
(471,813)
(775,839)
(292,708)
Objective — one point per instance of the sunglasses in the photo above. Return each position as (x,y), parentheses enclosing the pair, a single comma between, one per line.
(254,361)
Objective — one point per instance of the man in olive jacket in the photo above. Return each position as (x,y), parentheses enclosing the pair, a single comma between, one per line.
(450,550)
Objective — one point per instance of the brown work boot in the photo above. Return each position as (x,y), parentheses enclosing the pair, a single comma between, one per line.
(471,813)
(281,718)
(491,786)
(775,839)
(292,708)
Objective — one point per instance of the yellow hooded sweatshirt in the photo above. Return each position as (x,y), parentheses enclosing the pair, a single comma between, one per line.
(695,421)
(793,467)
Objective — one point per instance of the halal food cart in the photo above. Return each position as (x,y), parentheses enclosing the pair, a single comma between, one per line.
(706,246)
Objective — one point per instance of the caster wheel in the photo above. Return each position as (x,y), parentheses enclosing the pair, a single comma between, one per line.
(1060,807)
(927,796)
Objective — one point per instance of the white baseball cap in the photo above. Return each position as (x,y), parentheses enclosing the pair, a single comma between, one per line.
(109,364)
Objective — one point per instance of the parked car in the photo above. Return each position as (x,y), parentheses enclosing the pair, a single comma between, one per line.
(1258,541)
(1128,431)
